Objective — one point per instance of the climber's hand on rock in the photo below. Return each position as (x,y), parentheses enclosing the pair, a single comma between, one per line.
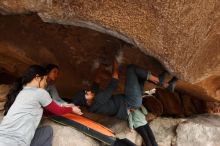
(115,69)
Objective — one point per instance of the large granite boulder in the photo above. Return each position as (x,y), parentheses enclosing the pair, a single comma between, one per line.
(164,130)
(18,37)
(4,89)
(201,130)
(158,28)
(182,36)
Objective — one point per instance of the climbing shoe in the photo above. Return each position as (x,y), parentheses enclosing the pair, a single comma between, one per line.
(172,84)
(161,78)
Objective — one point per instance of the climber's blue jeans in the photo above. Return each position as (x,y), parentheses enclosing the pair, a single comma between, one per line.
(134,85)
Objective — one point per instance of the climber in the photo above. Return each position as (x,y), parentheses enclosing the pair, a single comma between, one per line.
(127,106)
(52,71)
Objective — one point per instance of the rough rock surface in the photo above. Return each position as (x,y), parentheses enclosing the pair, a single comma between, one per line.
(119,127)
(68,136)
(178,104)
(183,36)
(164,130)
(199,131)
(4,89)
(26,40)
(32,41)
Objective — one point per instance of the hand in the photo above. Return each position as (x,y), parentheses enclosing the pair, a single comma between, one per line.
(128,130)
(150,116)
(115,69)
(76,110)
(131,130)
(67,105)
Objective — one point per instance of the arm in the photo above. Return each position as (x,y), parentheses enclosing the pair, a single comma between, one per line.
(104,96)
(95,87)
(54,94)
(45,101)
(57,110)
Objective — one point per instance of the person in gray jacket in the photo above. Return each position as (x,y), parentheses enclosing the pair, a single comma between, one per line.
(52,75)
(52,71)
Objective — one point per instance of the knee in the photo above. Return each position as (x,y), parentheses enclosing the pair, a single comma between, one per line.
(50,131)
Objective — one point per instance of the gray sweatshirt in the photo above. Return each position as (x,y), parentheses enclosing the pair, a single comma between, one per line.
(52,90)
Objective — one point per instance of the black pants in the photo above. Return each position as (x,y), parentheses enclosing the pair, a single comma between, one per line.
(147,135)
(123,142)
